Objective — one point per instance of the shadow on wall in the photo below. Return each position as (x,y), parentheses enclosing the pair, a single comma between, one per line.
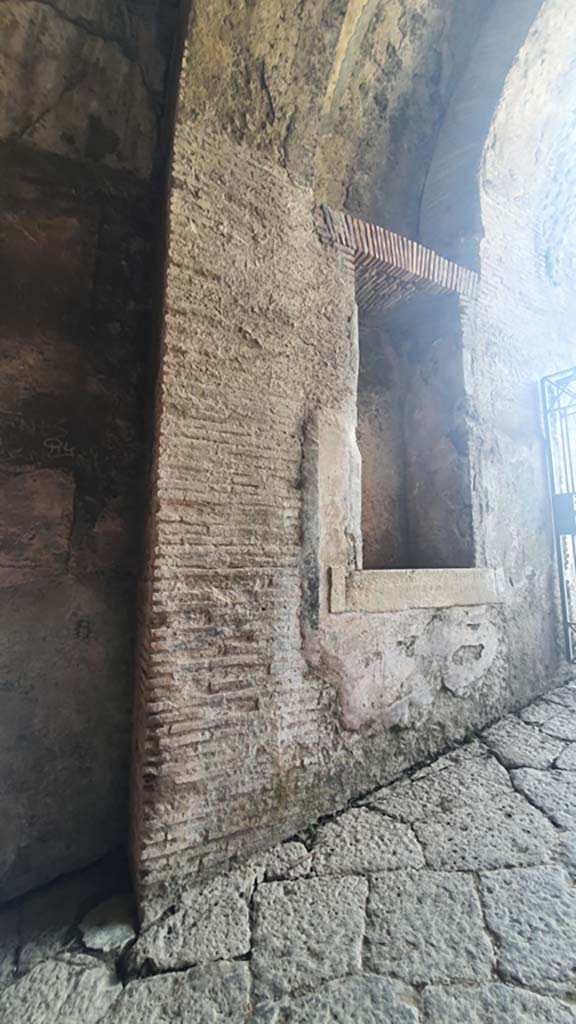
(83,91)
(450,214)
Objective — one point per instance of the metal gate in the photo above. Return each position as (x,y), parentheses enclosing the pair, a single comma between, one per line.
(559,404)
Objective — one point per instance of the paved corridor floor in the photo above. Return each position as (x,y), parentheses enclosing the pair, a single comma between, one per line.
(447,897)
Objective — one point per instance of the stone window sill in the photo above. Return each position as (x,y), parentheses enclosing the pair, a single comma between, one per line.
(396,590)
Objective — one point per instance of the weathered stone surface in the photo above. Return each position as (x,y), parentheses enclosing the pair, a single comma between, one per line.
(211,923)
(403,590)
(70,473)
(567,850)
(532,912)
(48,256)
(239,319)
(467,816)
(426,926)
(109,927)
(564,695)
(448,784)
(487,835)
(255,587)
(381,665)
(266,722)
(267,352)
(42,925)
(285,862)
(516,301)
(365,1000)
(554,791)
(451,933)
(562,724)
(556,718)
(361,161)
(219,994)
(263,81)
(539,712)
(306,933)
(78,989)
(520,745)
(567,759)
(363,841)
(103,113)
(492,1004)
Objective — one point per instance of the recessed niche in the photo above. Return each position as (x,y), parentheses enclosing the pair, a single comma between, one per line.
(412,436)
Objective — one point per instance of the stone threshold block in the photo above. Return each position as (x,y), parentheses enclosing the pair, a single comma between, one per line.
(396,590)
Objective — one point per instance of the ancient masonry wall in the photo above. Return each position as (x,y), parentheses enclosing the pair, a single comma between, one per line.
(228,716)
(257,710)
(82,95)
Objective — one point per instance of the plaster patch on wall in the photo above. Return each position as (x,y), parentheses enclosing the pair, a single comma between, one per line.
(389,668)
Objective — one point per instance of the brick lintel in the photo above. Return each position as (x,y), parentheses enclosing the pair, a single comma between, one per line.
(389,267)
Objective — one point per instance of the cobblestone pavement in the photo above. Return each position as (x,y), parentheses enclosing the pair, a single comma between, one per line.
(447,897)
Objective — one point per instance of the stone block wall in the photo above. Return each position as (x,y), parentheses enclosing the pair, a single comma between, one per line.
(80,209)
(72,456)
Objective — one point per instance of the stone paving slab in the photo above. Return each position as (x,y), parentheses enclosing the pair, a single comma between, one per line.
(362,842)
(447,897)
(566,761)
(217,994)
(79,990)
(532,914)
(565,695)
(368,999)
(426,926)
(562,725)
(490,835)
(555,719)
(492,1004)
(567,851)
(306,933)
(213,924)
(554,792)
(450,783)
(519,745)
(466,814)
(287,862)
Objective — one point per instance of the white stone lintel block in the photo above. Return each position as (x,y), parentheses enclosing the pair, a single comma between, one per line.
(397,590)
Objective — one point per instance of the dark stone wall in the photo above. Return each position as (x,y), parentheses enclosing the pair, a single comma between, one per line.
(81,214)
(401,62)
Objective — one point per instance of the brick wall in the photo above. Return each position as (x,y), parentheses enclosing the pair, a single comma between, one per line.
(257,711)
(254,311)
